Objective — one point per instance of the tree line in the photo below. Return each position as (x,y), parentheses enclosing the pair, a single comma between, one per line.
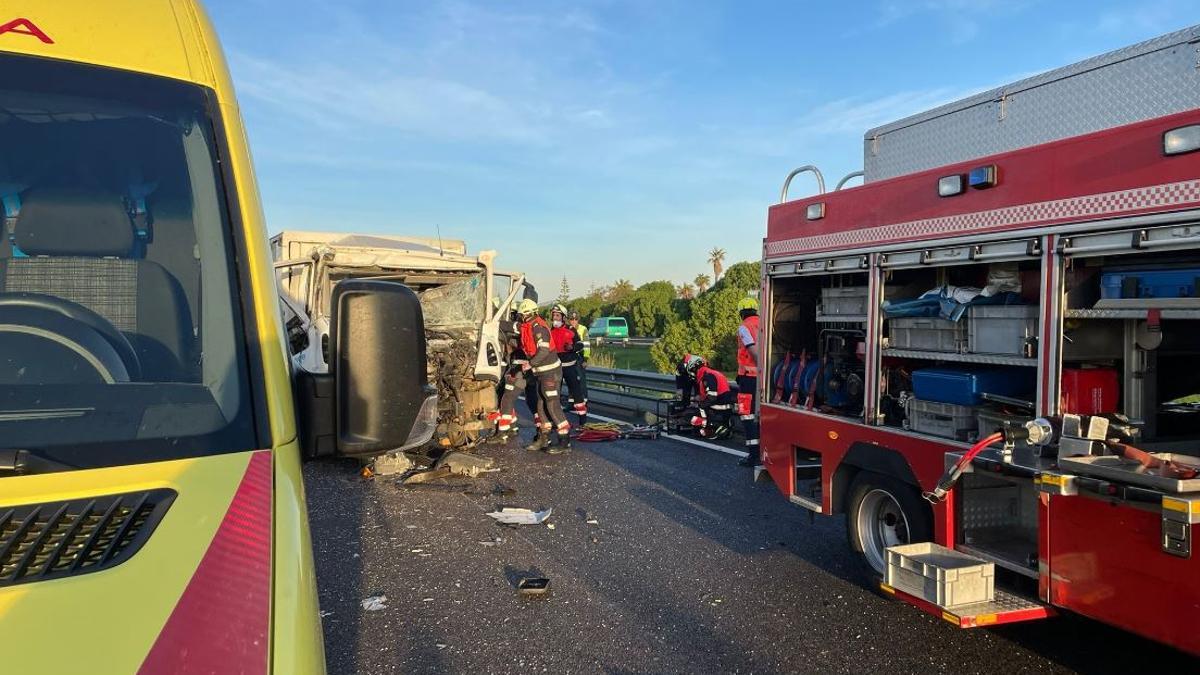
(700,319)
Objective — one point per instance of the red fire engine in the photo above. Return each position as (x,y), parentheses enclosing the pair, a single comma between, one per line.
(1012,295)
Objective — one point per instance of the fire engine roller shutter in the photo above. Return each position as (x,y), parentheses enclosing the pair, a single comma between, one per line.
(963,254)
(820,266)
(1140,240)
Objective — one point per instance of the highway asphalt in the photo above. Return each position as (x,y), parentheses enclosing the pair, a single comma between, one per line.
(686,567)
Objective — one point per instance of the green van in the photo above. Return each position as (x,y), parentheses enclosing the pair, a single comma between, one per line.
(610,327)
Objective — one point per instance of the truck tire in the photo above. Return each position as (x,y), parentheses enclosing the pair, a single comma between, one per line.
(882,512)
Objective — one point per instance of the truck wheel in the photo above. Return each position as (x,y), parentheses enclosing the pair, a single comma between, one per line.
(883,512)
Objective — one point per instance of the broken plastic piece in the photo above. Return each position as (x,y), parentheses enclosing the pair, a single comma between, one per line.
(533,586)
(518,516)
(375,603)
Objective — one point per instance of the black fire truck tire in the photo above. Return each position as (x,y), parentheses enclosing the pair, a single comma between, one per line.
(881,512)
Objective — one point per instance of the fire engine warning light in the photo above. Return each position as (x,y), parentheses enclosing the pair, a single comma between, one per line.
(816,211)
(1182,140)
(948,186)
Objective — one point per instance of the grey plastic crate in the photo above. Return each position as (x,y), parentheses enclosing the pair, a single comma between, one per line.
(849,300)
(1002,329)
(927,334)
(959,422)
(940,575)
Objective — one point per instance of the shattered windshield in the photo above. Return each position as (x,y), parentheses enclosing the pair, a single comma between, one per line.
(458,304)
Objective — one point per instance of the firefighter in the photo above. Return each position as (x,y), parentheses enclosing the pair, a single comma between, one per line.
(715,399)
(586,355)
(747,378)
(569,348)
(544,367)
(511,382)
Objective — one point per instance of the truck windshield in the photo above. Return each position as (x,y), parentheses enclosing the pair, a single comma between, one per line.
(121,329)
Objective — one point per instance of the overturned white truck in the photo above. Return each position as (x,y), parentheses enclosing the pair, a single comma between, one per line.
(462,324)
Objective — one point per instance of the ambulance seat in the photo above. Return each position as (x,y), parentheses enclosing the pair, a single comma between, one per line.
(79,243)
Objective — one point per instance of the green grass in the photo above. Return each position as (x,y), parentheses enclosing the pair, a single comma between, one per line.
(624,358)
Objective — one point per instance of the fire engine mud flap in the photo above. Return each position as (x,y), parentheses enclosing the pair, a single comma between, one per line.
(1005,608)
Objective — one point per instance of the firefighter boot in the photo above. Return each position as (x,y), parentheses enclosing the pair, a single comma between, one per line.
(562,444)
(499,438)
(540,443)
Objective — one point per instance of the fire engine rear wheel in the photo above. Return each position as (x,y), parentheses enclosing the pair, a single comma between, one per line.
(883,512)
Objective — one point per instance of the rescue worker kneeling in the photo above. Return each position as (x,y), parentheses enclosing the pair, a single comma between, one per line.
(545,367)
(715,398)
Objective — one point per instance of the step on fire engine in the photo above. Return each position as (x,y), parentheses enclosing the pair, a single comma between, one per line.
(987,355)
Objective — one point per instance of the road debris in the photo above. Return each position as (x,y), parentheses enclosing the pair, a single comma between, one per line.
(593,521)
(518,516)
(428,468)
(375,603)
(549,526)
(533,586)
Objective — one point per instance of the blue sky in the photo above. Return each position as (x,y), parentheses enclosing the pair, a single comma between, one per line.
(603,138)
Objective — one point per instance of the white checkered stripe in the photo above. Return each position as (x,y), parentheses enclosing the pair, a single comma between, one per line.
(1104,204)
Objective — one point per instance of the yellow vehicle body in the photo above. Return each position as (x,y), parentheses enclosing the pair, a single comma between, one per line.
(112,620)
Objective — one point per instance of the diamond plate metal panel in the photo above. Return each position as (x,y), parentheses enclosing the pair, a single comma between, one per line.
(1147,80)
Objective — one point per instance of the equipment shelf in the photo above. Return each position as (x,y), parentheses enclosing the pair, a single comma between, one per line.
(986,359)
(1138,314)
(841,318)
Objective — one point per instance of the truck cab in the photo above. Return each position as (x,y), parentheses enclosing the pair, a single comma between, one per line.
(464,299)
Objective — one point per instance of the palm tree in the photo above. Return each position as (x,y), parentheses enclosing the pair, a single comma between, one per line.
(620,290)
(717,258)
(687,292)
(702,282)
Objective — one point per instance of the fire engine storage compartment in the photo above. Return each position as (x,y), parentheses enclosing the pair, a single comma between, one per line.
(1132,335)
(818,343)
(816,358)
(955,360)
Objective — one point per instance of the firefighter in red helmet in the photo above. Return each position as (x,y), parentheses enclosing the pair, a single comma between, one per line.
(569,348)
(715,398)
(545,367)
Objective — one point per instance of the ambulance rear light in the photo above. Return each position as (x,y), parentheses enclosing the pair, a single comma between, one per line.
(816,211)
(948,186)
(1182,140)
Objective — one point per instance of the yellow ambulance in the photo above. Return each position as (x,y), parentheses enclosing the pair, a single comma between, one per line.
(152,511)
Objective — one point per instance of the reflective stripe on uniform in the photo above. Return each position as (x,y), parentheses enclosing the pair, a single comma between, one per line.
(546,369)
(751,441)
(747,418)
(551,394)
(543,343)
(509,387)
(567,364)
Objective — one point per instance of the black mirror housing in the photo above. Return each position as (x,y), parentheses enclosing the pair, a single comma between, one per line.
(383,401)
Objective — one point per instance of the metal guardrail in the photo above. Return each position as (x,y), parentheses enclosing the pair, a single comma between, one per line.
(627,342)
(631,390)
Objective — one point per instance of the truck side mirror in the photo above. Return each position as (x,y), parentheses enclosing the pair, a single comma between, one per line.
(377,346)
(376,397)
(528,291)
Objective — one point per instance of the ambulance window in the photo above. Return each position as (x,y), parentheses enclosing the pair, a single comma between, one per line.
(122,339)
